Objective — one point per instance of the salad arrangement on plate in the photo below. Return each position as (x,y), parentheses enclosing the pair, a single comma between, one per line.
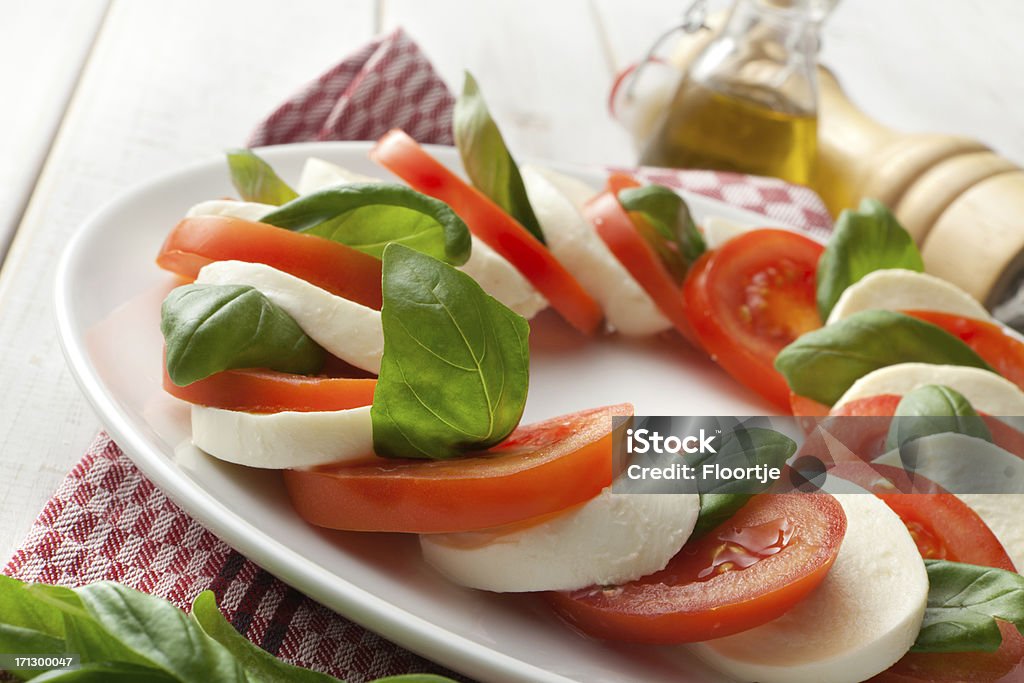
(370,339)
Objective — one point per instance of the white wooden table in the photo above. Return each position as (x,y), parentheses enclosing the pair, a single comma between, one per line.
(100,94)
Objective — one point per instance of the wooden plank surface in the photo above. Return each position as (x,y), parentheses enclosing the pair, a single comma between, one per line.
(919,65)
(43,45)
(161,89)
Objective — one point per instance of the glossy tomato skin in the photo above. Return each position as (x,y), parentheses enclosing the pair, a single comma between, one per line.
(1003,351)
(404,157)
(751,569)
(268,391)
(196,242)
(750,298)
(540,469)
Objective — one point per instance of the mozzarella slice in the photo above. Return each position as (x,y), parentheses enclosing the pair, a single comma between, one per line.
(1003,515)
(498,277)
(958,462)
(611,539)
(283,440)
(318,174)
(250,211)
(986,391)
(346,329)
(718,231)
(897,289)
(574,242)
(862,618)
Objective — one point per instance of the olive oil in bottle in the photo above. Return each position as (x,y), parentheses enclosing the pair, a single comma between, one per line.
(745,128)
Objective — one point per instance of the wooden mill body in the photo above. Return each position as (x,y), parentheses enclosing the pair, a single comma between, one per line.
(962,202)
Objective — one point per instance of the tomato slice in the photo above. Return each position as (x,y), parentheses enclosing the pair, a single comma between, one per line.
(339,269)
(540,469)
(999,349)
(944,527)
(751,569)
(748,299)
(267,391)
(617,230)
(404,157)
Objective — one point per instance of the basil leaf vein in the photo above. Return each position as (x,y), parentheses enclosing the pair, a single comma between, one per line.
(210,328)
(964,603)
(255,180)
(455,368)
(486,158)
(863,241)
(672,234)
(822,364)
(369,216)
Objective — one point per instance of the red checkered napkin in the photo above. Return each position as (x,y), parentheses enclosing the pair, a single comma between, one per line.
(107,521)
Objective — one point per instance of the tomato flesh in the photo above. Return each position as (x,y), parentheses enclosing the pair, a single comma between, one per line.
(342,270)
(268,391)
(751,569)
(404,157)
(749,299)
(540,469)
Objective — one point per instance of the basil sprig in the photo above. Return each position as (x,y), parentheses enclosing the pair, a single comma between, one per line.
(934,409)
(488,162)
(822,364)
(122,635)
(743,447)
(255,180)
(210,328)
(455,368)
(671,233)
(369,216)
(965,602)
(863,241)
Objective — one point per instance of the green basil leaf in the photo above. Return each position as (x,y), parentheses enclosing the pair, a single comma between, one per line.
(255,180)
(107,672)
(22,609)
(964,602)
(676,238)
(934,409)
(369,216)
(488,162)
(744,447)
(210,328)
(824,363)
(16,640)
(455,368)
(863,241)
(260,666)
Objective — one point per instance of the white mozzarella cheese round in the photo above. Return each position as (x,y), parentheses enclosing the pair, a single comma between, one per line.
(958,462)
(1003,515)
(574,242)
(862,618)
(611,539)
(249,211)
(318,174)
(987,392)
(346,329)
(898,289)
(283,440)
(718,231)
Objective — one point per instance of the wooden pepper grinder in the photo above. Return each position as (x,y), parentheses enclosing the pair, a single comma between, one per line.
(962,202)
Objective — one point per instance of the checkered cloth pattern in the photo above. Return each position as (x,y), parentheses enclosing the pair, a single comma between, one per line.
(107,521)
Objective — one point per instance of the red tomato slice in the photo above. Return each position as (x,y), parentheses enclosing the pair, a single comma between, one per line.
(267,391)
(946,528)
(540,469)
(404,157)
(616,229)
(750,570)
(1002,351)
(339,269)
(749,299)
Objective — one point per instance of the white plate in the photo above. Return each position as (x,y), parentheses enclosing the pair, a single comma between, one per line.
(108,297)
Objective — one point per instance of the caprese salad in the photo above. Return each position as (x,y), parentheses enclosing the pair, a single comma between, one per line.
(369,339)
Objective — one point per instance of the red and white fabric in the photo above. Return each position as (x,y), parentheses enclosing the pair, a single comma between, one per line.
(107,521)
